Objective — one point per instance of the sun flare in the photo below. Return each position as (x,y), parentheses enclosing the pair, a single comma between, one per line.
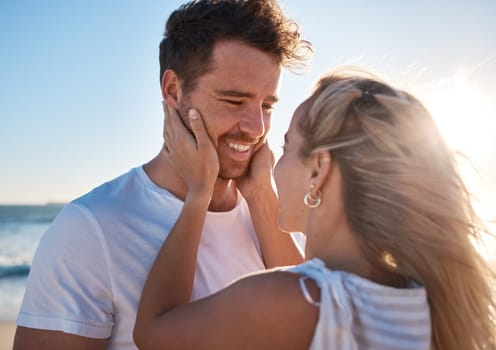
(467,121)
(465,118)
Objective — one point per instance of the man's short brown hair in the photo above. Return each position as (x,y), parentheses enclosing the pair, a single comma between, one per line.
(194,28)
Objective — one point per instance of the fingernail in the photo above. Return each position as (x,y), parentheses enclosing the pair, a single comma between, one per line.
(192,114)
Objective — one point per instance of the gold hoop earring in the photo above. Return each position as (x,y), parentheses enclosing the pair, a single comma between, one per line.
(312,202)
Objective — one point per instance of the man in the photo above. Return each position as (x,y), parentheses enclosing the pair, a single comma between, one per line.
(223,58)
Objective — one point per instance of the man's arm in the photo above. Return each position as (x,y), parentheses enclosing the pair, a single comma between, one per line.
(68,288)
(30,338)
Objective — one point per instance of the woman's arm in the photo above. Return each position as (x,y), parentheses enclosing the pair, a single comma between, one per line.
(264,311)
(170,280)
(278,247)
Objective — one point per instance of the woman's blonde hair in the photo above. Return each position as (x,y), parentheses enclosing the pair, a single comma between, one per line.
(405,200)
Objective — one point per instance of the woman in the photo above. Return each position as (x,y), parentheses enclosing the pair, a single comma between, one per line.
(389,226)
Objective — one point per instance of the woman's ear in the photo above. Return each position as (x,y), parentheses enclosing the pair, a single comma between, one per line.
(321,169)
(171,88)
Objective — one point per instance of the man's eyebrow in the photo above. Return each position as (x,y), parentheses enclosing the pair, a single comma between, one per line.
(240,94)
(234,93)
(286,138)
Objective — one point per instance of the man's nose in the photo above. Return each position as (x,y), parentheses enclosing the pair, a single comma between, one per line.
(253,123)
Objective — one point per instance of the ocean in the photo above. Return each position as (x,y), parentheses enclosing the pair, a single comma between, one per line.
(21,227)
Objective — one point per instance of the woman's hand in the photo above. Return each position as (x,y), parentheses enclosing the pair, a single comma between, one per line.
(192,153)
(258,179)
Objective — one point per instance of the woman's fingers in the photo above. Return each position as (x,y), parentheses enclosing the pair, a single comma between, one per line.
(198,128)
(175,131)
(167,128)
(171,123)
(189,148)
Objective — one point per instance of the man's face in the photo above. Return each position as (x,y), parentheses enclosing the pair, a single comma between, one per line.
(235,99)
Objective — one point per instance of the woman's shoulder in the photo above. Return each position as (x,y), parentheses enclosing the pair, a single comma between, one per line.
(281,283)
(266,310)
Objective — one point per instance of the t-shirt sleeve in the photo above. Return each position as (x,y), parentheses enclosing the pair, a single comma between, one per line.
(69,285)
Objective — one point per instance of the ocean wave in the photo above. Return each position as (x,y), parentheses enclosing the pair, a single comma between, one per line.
(14,270)
(29,213)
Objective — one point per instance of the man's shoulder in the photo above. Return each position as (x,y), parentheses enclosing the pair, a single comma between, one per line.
(127,196)
(89,213)
(110,191)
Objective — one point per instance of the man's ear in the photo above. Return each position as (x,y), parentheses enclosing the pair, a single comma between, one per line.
(320,166)
(171,88)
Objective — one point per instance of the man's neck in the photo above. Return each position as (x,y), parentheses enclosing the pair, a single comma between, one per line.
(162,173)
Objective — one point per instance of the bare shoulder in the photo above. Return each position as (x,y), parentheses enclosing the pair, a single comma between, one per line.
(262,311)
(276,286)
(30,338)
(274,305)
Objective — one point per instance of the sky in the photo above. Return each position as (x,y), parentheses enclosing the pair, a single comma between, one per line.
(80,98)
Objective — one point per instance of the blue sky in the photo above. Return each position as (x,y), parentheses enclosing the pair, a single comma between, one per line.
(80,99)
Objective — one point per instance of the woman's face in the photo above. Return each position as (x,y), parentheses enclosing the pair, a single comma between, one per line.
(291,177)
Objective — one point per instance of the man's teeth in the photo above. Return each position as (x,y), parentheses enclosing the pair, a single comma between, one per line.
(238,147)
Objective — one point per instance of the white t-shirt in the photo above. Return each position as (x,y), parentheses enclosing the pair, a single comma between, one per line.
(91,264)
